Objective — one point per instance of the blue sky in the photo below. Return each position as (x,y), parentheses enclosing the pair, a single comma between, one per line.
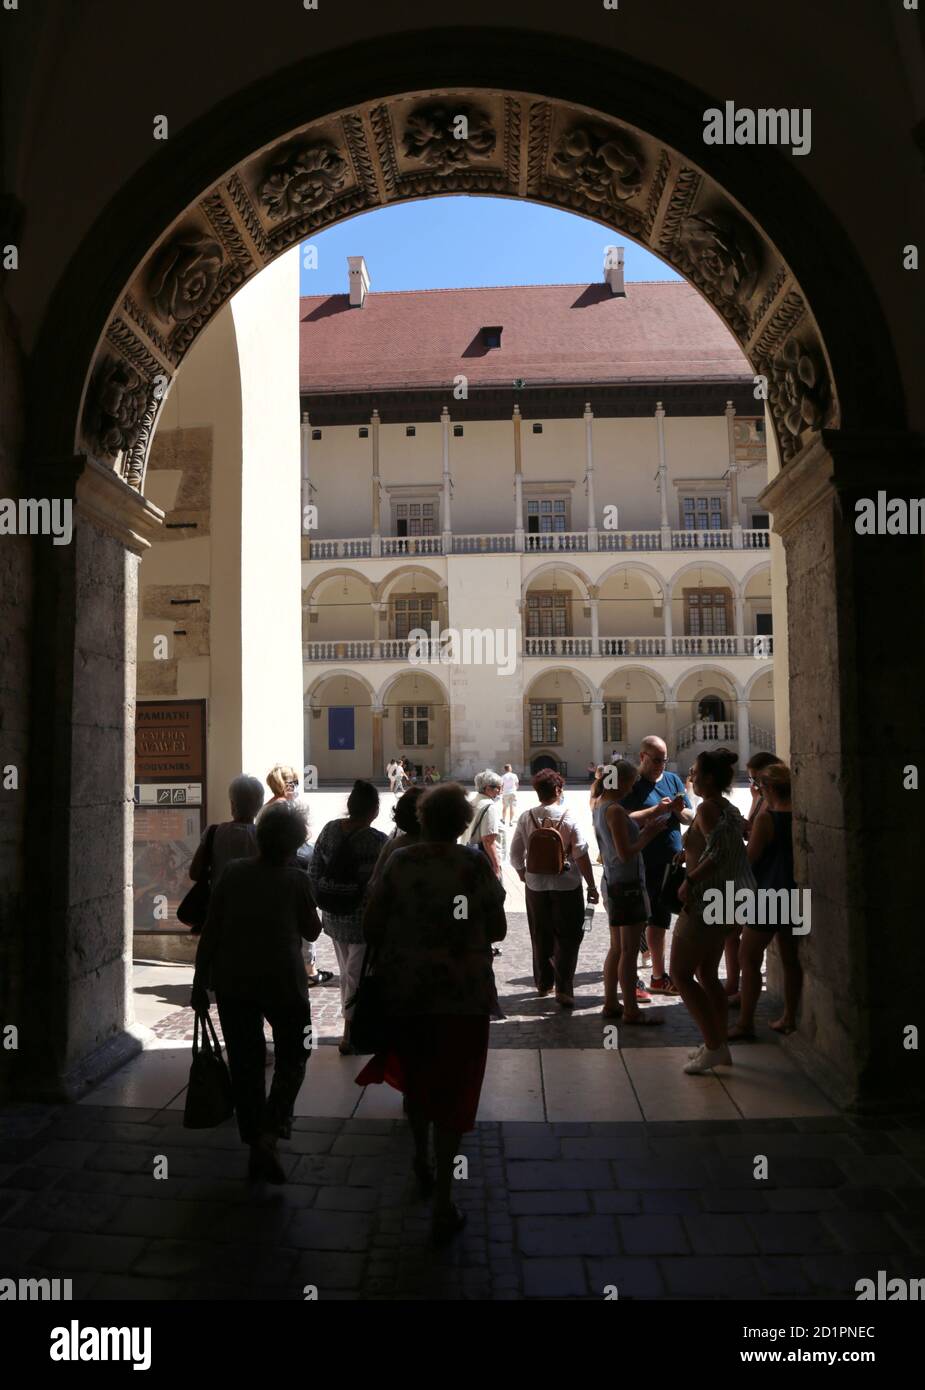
(456,242)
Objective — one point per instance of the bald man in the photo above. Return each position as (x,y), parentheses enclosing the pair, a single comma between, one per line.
(654,786)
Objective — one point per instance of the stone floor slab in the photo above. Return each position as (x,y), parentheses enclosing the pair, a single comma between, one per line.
(587,1084)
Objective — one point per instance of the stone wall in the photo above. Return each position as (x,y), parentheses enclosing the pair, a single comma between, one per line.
(15,636)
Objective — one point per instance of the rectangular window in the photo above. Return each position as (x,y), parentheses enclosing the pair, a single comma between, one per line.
(760,521)
(703,513)
(415,518)
(549,615)
(415,726)
(612,719)
(764,625)
(411,611)
(707,612)
(545,514)
(545,723)
(457,431)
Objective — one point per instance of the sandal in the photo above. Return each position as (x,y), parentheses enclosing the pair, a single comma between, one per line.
(616,1012)
(740,1034)
(323,977)
(644,1019)
(785,1029)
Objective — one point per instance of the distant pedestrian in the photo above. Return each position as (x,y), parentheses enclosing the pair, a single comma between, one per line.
(342,865)
(549,855)
(770,853)
(714,852)
(394,773)
(509,784)
(407,829)
(230,839)
(260,911)
(434,965)
(622,841)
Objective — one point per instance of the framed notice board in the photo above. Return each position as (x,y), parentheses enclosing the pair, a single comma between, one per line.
(170,809)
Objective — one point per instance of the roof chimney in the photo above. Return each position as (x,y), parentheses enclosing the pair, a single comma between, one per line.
(613,269)
(358,281)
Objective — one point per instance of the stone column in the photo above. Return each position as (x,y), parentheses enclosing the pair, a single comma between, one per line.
(671,732)
(518,481)
(735,521)
(667,619)
(595,620)
(589,476)
(744,738)
(376,534)
(741,641)
(378,762)
(447,481)
(74,1008)
(306,483)
(307,731)
(855,609)
(597,732)
(662,475)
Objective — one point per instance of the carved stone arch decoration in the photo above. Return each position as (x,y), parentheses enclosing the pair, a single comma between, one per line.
(447,141)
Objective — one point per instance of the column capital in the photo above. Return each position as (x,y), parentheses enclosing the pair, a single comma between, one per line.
(445,416)
(843,464)
(305,417)
(588,412)
(112,506)
(659,409)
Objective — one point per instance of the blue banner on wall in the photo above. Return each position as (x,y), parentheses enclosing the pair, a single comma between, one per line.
(341,727)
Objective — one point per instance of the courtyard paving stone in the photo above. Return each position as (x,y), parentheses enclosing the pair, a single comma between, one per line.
(555,1211)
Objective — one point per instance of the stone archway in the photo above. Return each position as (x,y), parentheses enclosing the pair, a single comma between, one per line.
(376,128)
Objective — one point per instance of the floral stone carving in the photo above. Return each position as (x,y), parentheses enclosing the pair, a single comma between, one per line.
(720,248)
(436,136)
(183,277)
(604,167)
(798,388)
(304,181)
(117,409)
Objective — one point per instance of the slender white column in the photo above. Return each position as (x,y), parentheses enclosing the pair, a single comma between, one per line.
(518,481)
(376,537)
(740,623)
(671,732)
(745,749)
(662,474)
(589,476)
(735,520)
(597,732)
(666,618)
(595,626)
(447,482)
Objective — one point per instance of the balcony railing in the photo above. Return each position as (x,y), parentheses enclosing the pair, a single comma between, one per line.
(544,542)
(397,648)
(706,731)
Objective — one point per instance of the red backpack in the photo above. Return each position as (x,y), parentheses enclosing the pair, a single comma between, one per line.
(545,850)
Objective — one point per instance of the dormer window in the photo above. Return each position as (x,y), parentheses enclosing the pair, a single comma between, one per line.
(491,337)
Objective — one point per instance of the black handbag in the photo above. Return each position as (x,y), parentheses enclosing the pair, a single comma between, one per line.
(369,1022)
(209,1100)
(675,875)
(194,908)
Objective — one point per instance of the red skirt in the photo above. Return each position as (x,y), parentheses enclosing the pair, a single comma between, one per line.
(438,1062)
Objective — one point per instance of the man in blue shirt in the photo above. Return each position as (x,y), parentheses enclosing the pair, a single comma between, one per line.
(656,785)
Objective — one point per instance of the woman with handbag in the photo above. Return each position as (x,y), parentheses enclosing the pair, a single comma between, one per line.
(342,865)
(250,954)
(430,922)
(621,843)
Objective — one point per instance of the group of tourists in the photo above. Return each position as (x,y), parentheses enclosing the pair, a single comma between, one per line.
(401,774)
(423,911)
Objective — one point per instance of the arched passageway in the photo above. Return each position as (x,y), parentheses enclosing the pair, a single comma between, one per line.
(250,181)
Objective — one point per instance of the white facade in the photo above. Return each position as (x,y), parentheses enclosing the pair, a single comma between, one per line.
(623,618)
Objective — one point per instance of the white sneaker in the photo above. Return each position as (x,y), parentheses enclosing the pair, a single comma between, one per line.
(696,1051)
(708,1059)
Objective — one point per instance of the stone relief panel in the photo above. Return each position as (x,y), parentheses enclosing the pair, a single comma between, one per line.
(457,143)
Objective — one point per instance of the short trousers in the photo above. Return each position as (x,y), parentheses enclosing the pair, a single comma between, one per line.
(659,916)
(690,925)
(627,904)
(508,798)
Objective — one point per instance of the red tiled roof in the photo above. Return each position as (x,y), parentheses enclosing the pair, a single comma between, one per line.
(552,333)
